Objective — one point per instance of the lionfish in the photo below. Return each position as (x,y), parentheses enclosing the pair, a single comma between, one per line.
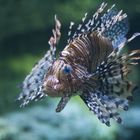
(92,66)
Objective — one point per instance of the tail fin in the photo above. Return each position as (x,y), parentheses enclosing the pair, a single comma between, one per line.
(110,23)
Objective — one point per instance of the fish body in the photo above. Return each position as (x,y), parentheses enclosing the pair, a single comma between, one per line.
(82,56)
(90,66)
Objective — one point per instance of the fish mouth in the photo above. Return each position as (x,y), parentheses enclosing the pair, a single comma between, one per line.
(54,90)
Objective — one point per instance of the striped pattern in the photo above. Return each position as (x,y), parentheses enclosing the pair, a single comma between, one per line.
(84,54)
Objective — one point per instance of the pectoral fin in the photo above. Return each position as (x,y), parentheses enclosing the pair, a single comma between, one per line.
(62,103)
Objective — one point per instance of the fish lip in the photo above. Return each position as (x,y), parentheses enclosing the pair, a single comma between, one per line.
(51,92)
(54,92)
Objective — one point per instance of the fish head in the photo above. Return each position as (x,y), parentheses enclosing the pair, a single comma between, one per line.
(60,79)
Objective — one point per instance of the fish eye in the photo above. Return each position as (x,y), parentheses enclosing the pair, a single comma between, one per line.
(67,69)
